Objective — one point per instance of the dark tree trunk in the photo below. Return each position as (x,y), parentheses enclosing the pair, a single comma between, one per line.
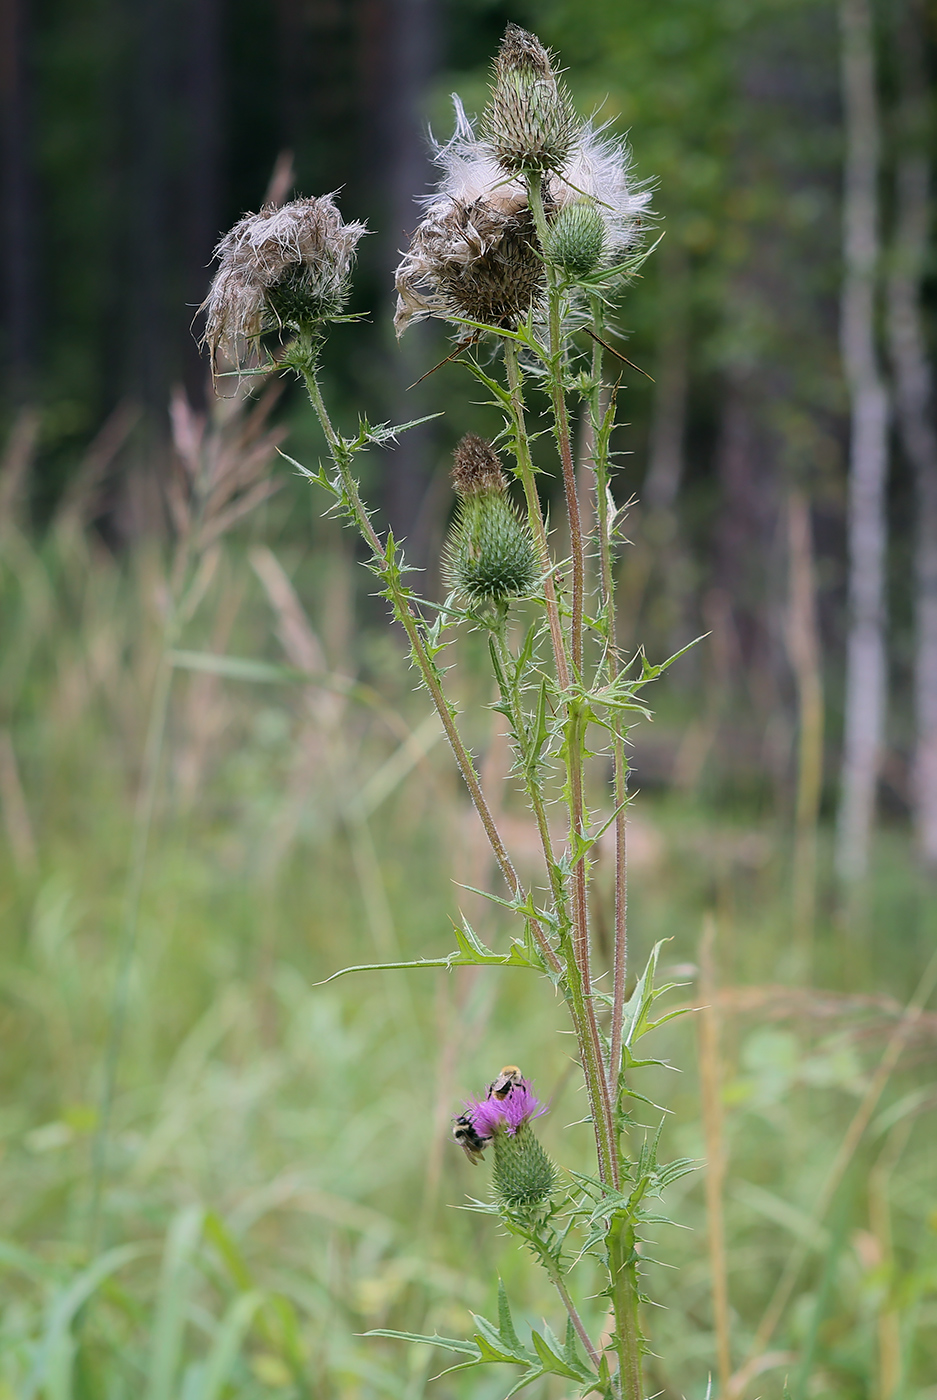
(401,48)
(148,260)
(203,176)
(914,388)
(20,312)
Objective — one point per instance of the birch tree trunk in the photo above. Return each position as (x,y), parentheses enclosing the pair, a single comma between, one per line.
(914,405)
(865,655)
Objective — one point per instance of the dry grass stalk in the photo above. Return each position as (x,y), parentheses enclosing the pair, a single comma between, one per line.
(803,645)
(711,1106)
(16,462)
(837,1170)
(80,500)
(889,1317)
(221,464)
(15,812)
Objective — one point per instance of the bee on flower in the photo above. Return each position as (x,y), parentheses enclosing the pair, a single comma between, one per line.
(524,1176)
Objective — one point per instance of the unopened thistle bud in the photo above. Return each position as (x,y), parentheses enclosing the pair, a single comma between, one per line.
(576,239)
(524,1176)
(285,267)
(490,554)
(529,122)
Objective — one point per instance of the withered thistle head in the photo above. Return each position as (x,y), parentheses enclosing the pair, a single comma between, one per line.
(285,267)
(529,122)
(472,259)
(490,555)
(476,467)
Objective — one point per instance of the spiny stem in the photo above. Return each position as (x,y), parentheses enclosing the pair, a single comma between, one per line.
(594,1064)
(503,662)
(422,658)
(573,1312)
(561,419)
(620,788)
(535,515)
(623,1266)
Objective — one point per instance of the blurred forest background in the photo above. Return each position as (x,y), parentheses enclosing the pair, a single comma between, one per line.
(215,1175)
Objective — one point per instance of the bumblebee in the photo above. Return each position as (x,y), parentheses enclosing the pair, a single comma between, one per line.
(509,1078)
(472,1145)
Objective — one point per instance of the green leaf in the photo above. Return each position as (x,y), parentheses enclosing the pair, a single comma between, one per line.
(227,1345)
(177,1279)
(553,1360)
(52,1365)
(446,1343)
(505,1321)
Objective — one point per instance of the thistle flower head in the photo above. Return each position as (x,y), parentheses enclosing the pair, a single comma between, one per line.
(524,1176)
(284,267)
(490,554)
(529,122)
(476,467)
(576,239)
(598,169)
(491,1116)
(475,255)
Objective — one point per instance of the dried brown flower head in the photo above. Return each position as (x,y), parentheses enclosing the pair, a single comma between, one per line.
(476,467)
(284,267)
(476,260)
(529,122)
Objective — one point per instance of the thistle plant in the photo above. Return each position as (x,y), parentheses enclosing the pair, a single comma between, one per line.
(532,234)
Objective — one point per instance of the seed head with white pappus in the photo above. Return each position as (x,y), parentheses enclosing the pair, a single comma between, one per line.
(285,267)
(490,555)
(475,254)
(529,121)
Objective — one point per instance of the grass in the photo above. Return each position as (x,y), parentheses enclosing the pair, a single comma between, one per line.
(278,1178)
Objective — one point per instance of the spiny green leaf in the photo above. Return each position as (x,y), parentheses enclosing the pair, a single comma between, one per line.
(447,1343)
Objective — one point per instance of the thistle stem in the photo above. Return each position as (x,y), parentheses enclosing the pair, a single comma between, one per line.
(623,1268)
(525,469)
(600,436)
(561,420)
(410,625)
(570,1306)
(507,684)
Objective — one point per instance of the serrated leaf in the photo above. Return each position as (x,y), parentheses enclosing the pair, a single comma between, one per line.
(554,1361)
(447,1343)
(505,1321)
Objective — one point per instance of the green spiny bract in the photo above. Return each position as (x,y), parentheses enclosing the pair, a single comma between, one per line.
(524,1176)
(576,239)
(490,554)
(529,122)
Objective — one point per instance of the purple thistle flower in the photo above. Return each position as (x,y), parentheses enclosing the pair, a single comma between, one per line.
(493,1115)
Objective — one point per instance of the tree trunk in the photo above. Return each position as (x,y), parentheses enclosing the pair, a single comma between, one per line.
(203,176)
(19,234)
(865,656)
(804,650)
(400,60)
(914,405)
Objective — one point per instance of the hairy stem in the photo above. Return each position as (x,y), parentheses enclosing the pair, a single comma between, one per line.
(507,684)
(561,420)
(579,964)
(623,1268)
(525,470)
(560,1284)
(410,625)
(602,416)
